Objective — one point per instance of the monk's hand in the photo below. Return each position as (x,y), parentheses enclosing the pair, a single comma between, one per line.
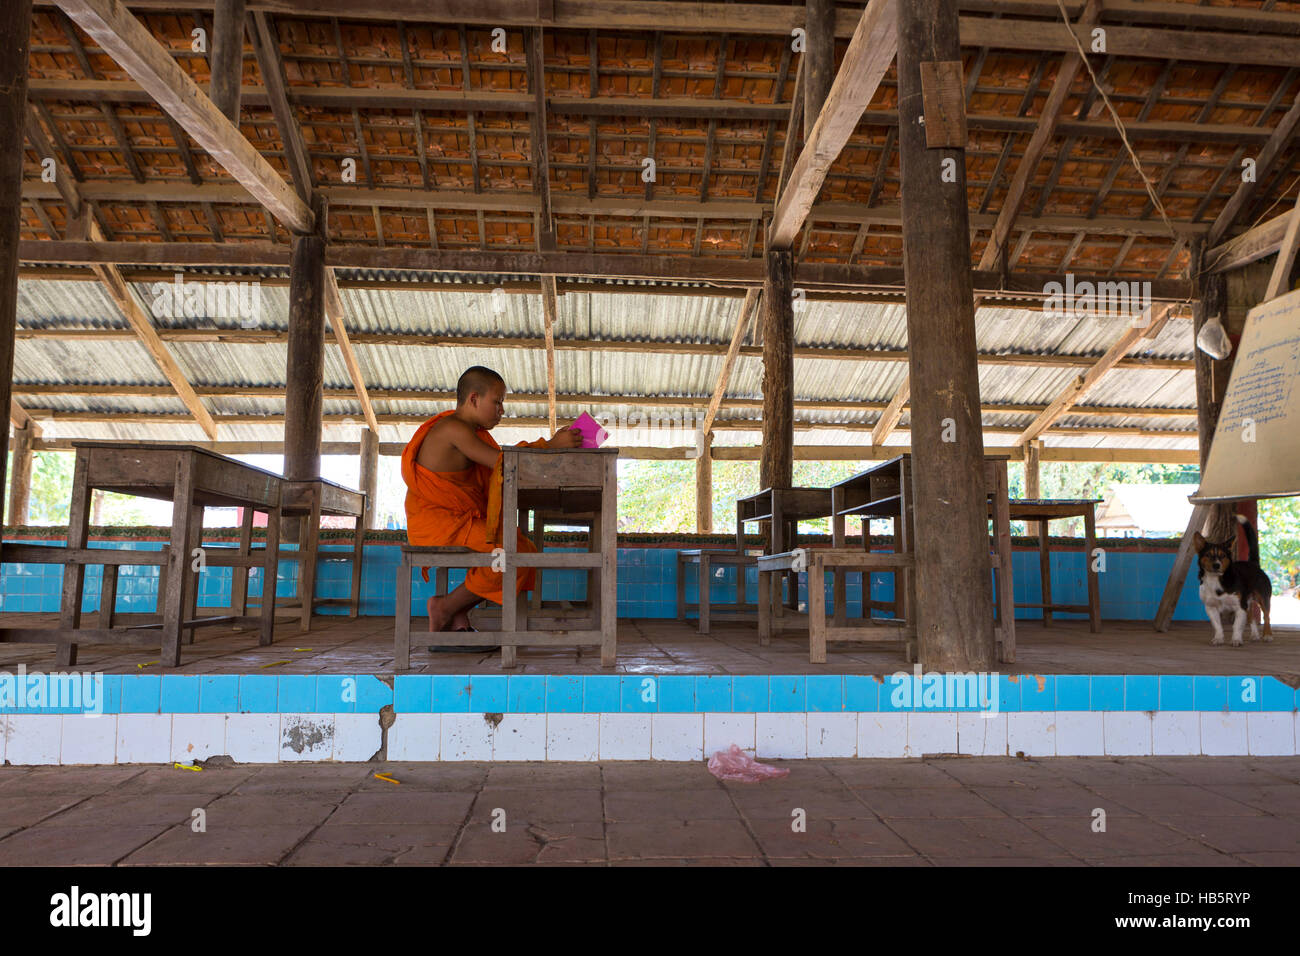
(565,438)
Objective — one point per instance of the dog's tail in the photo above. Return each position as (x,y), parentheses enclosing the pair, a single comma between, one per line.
(1252,541)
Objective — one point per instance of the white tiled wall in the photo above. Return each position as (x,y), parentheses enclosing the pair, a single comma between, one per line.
(268,738)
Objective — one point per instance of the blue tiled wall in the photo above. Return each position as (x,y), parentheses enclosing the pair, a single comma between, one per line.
(1131,584)
(646,693)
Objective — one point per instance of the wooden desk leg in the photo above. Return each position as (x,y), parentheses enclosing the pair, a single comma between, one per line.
(1094,585)
(705,582)
(778,545)
(270,576)
(609,566)
(195,542)
(108,595)
(1006,577)
(816,611)
(792,595)
(402,624)
(539,542)
(358,557)
(178,564)
(1045,572)
(764,608)
(681,587)
(441,581)
(74,575)
(510,574)
(308,546)
(593,574)
(239,576)
(840,591)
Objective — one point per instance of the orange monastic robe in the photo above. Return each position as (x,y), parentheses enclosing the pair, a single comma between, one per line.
(459,509)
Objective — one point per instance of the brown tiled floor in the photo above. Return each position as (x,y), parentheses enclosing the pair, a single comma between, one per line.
(337,645)
(1164,811)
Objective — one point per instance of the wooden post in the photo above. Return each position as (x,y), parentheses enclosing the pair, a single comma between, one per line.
(704,487)
(369,473)
(15,38)
(1211,377)
(819,59)
(20,485)
(1033,461)
(776,467)
(954,604)
(227,59)
(304,395)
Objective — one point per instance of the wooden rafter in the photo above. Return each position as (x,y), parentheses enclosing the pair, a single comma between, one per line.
(20,418)
(1280,279)
(870,53)
(1251,246)
(136,50)
(1080,386)
(549,309)
(747,313)
(541,163)
(109,275)
(889,418)
(1053,109)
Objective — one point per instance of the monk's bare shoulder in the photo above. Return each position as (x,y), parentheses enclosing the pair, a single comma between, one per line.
(438,451)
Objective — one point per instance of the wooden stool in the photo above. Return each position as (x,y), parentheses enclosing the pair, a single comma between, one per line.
(705,559)
(442,560)
(817,562)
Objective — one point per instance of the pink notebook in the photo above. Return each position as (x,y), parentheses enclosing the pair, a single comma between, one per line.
(593,436)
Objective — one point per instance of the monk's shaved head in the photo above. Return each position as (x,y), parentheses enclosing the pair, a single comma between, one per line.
(476,380)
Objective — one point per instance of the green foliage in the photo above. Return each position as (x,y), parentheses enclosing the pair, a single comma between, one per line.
(1279,541)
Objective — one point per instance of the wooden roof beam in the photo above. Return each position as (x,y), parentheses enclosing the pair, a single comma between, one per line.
(871,51)
(1274,151)
(1280,280)
(82,221)
(1254,244)
(19,418)
(889,418)
(136,50)
(1052,112)
(747,312)
(1080,386)
(549,309)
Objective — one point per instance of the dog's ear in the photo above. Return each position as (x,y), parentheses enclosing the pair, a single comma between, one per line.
(1198,542)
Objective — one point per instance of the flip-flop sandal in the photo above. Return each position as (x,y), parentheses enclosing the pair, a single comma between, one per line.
(464,648)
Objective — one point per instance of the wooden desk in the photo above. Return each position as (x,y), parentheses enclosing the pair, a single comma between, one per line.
(783,508)
(191,478)
(1043,510)
(885,491)
(584,480)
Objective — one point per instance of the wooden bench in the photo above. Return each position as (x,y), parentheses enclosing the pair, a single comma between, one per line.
(817,562)
(705,559)
(442,560)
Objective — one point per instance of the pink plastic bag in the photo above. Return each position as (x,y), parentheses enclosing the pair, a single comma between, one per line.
(735,764)
(593,436)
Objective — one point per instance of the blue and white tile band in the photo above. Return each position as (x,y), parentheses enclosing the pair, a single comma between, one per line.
(261,718)
(626,693)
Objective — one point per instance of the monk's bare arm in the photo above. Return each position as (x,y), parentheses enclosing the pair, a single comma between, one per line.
(452,445)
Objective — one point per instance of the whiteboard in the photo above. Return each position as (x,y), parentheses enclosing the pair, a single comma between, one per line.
(1263,403)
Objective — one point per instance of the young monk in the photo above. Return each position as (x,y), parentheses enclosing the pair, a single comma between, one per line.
(448,469)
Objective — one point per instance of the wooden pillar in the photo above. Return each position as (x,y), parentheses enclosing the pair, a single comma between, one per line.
(819,59)
(704,487)
(1033,464)
(226,62)
(15,37)
(776,464)
(369,473)
(1211,378)
(305,368)
(20,485)
(954,612)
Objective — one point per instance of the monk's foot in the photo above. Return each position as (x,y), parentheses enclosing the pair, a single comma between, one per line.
(460,621)
(438,616)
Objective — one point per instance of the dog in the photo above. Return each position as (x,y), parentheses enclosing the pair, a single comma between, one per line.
(1229,585)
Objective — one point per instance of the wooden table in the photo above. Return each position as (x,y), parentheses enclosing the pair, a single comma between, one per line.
(583,480)
(783,508)
(1043,510)
(191,478)
(310,500)
(885,491)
